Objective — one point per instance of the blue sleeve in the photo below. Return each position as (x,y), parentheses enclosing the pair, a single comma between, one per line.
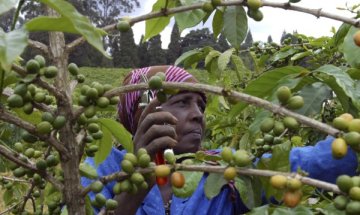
(318,161)
(228,201)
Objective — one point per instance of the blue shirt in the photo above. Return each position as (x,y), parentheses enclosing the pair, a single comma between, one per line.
(316,160)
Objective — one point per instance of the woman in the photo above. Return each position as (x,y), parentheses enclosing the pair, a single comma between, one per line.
(180,125)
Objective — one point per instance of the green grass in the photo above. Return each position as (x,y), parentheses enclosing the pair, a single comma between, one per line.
(115,76)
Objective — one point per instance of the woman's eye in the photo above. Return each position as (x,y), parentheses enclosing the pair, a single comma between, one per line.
(181,102)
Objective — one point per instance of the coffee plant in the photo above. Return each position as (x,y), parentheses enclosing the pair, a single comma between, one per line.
(295,92)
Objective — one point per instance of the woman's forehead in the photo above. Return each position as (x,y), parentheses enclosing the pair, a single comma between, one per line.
(189,95)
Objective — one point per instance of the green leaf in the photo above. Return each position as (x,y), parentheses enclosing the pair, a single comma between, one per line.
(292,211)
(350,50)
(341,33)
(279,161)
(341,83)
(314,96)
(62,24)
(88,206)
(263,210)
(250,194)
(6,5)
(87,171)
(154,26)
(34,118)
(300,55)
(214,183)
(280,157)
(283,54)
(105,144)
(260,115)
(265,84)
(75,22)
(330,209)
(191,182)
(119,132)
(240,69)
(8,197)
(12,44)
(186,55)
(51,193)
(224,59)
(218,23)
(190,18)
(354,73)
(64,211)
(235,25)
(209,57)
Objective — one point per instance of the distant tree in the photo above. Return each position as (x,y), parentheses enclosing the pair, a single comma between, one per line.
(248,41)
(223,43)
(103,12)
(6,20)
(174,48)
(269,39)
(197,39)
(156,55)
(143,54)
(293,39)
(125,53)
(283,35)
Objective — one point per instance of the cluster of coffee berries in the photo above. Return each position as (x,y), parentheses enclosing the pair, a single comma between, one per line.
(124,24)
(37,65)
(254,11)
(346,123)
(209,7)
(156,82)
(74,71)
(288,100)
(239,158)
(92,96)
(350,202)
(291,186)
(272,131)
(26,95)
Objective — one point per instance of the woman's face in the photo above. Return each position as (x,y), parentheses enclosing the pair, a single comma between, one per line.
(188,108)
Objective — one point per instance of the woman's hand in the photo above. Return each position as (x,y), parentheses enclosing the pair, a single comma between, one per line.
(156,130)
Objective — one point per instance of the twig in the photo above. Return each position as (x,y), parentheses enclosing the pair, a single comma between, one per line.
(8,117)
(27,196)
(43,107)
(286,6)
(12,157)
(235,95)
(10,208)
(38,45)
(15,180)
(119,176)
(316,12)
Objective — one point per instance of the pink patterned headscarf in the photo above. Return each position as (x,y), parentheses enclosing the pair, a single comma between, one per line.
(129,102)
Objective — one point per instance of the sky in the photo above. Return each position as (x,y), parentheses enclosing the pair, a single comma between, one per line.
(275,21)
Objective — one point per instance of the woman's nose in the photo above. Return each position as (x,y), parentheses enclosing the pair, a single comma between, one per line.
(196,113)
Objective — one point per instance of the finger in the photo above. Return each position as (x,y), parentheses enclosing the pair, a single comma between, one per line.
(161,143)
(157,131)
(157,118)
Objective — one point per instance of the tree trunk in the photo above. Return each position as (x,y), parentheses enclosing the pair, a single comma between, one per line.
(70,164)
